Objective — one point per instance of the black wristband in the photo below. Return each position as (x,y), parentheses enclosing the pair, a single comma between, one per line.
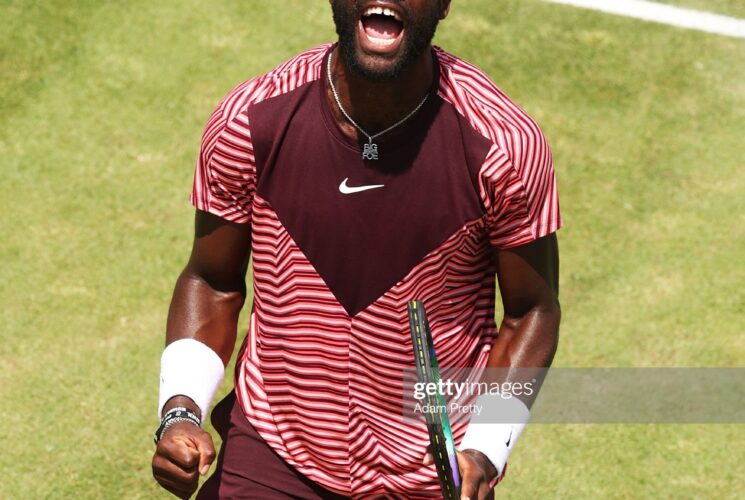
(174,416)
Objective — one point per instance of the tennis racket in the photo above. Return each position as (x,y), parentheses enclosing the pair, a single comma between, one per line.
(438,423)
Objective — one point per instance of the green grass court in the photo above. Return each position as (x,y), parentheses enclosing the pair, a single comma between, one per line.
(101,109)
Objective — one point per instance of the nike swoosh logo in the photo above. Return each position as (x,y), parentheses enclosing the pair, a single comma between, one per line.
(344,189)
(509,439)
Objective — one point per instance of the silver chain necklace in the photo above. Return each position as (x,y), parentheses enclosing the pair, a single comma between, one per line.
(370,151)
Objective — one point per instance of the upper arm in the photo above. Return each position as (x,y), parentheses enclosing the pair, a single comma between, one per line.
(518,188)
(211,290)
(528,276)
(223,192)
(220,252)
(528,282)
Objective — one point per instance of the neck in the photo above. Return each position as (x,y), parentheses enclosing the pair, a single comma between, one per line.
(378,105)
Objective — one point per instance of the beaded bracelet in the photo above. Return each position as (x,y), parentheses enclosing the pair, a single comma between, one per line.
(174,416)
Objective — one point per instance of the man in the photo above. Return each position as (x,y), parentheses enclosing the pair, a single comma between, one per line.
(359,175)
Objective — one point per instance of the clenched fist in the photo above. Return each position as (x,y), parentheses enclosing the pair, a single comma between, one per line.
(184,452)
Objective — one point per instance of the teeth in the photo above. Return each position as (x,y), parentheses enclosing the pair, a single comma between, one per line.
(381,11)
(383,42)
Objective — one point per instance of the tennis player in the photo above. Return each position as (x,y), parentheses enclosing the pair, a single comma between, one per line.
(359,175)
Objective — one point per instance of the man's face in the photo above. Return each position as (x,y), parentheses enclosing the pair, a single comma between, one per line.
(380,39)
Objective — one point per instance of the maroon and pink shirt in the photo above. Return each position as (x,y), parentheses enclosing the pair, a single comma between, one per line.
(320,372)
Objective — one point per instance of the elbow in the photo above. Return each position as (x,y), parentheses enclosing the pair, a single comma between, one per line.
(554,319)
(545,319)
(555,312)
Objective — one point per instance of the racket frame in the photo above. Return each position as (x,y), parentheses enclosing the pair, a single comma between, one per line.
(438,423)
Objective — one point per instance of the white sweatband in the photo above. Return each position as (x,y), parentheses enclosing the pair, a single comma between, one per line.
(492,437)
(190,368)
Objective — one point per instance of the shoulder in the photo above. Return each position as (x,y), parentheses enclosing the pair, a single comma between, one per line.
(288,76)
(488,110)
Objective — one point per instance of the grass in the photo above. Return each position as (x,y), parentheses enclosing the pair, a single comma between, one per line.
(101,112)
(733,8)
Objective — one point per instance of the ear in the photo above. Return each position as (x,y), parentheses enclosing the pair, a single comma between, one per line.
(444,9)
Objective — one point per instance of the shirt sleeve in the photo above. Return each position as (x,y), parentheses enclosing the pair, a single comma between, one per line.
(225,175)
(518,188)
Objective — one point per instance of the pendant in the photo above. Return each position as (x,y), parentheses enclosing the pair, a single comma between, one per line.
(370,151)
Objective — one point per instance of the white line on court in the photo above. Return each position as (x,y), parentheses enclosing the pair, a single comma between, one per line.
(666,14)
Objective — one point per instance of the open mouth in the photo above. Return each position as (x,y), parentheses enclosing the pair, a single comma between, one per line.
(382,28)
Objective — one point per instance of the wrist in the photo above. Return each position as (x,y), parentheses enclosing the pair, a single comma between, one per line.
(184,402)
(496,437)
(177,415)
(189,369)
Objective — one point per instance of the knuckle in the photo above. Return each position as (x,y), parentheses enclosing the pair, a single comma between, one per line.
(164,482)
(157,465)
(190,481)
(187,461)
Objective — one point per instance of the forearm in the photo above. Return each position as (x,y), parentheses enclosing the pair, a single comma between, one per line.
(201,311)
(529,342)
(524,348)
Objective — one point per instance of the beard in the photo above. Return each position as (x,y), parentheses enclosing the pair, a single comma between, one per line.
(418,36)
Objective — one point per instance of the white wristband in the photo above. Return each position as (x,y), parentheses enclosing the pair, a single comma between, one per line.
(491,437)
(190,368)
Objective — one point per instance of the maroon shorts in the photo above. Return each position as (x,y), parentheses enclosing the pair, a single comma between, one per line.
(248,468)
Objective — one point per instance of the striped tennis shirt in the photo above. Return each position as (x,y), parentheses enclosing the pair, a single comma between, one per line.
(340,244)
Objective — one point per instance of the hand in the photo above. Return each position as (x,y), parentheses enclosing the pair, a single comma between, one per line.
(476,473)
(184,452)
